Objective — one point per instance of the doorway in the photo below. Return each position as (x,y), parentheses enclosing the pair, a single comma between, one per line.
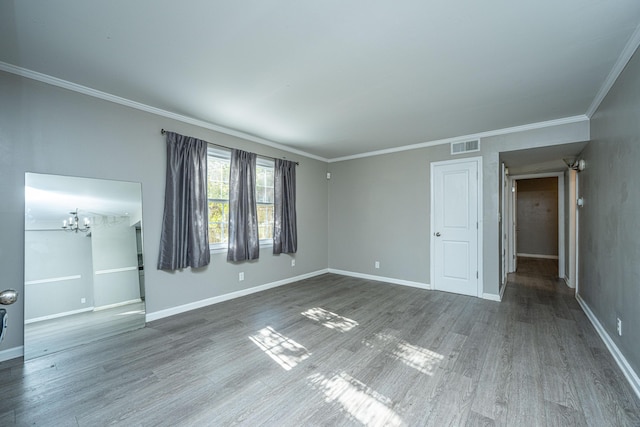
(537,228)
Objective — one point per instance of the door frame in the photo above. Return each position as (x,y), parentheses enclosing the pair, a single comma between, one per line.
(513,208)
(504,241)
(478,161)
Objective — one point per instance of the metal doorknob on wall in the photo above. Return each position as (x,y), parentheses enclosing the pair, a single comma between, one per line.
(8,296)
(437,234)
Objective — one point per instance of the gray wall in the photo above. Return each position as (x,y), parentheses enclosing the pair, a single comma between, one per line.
(609,237)
(379,207)
(52,255)
(537,213)
(47,129)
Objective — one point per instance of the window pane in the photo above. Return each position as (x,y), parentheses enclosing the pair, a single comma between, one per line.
(218,221)
(218,178)
(218,165)
(265,221)
(264,197)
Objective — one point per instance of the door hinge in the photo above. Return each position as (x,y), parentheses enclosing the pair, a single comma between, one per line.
(477,277)
(476,225)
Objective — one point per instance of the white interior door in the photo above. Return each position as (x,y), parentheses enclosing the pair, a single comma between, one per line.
(455,226)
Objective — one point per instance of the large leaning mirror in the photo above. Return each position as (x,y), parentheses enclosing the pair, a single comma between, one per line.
(83,261)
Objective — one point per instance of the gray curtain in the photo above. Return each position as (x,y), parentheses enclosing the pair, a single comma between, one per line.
(243,218)
(184,241)
(285,231)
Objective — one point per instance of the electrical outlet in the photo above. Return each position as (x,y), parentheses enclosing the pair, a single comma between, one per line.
(377,264)
(293,263)
(241,276)
(83,300)
(619,323)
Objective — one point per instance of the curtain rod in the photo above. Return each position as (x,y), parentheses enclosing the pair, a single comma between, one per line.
(162,131)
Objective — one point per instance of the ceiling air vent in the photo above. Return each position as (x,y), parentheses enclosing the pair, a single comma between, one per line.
(465,146)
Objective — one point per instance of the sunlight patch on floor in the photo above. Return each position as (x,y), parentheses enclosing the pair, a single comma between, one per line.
(285,351)
(417,357)
(329,319)
(361,402)
(414,356)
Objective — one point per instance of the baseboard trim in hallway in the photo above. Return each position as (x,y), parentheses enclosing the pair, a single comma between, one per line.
(156,315)
(627,370)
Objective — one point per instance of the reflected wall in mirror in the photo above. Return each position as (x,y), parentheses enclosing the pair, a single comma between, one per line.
(83,261)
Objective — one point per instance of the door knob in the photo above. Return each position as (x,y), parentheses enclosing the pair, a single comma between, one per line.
(437,234)
(8,296)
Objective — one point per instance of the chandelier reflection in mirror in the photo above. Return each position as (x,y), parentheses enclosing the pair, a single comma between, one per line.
(73,223)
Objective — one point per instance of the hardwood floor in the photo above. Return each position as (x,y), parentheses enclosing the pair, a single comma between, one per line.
(336,350)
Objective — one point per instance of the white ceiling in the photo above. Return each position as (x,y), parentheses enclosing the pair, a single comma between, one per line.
(332,78)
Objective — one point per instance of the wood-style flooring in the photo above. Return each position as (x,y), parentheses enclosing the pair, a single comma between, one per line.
(339,351)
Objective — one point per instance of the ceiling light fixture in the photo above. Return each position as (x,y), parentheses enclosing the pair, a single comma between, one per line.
(73,223)
(576,165)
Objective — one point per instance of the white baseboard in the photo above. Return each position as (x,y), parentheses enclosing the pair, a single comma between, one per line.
(492,297)
(118,304)
(567,282)
(11,353)
(504,287)
(381,279)
(55,316)
(538,256)
(627,370)
(156,315)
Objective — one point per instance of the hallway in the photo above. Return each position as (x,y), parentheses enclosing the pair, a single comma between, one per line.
(574,368)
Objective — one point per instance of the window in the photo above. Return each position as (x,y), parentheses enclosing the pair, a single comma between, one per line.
(218,164)
(264,199)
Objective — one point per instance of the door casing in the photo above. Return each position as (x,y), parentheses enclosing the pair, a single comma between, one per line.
(511,256)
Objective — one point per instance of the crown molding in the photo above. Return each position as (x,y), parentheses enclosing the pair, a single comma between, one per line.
(54,81)
(497,132)
(618,67)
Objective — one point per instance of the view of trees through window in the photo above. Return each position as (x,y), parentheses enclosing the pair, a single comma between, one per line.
(218,165)
(264,199)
